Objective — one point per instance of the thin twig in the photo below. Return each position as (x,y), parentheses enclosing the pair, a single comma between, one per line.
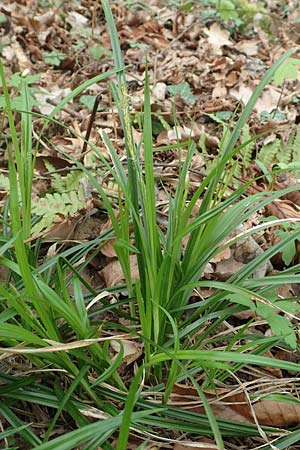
(89,128)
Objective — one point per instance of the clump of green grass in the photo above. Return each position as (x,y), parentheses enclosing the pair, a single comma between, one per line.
(56,332)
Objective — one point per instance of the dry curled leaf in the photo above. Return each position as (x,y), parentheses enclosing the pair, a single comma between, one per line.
(132,350)
(277,413)
(227,404)
(113,274)
(282,209)
(218,37)
(285,180)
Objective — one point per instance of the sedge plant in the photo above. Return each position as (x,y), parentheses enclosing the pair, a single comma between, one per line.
(167,274)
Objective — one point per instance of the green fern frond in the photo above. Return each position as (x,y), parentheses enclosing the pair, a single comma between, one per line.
(285,155)
(297,145)
(237,172)
(56,179)
(53,205)
(44,224)
(68,183)
(50,167)
(247,150)
(296,153)
(268,154)
(64,203)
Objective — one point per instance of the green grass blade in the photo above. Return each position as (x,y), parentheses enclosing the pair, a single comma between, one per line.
(66,398)
(284,442)
(214,355)
(12,431)
(26,433)
(17,334)
(71,440)
(149,192)
(132,397)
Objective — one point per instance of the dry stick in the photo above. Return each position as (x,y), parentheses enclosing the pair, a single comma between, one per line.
(89,128)
(100,166)
(68,110)
(178,37)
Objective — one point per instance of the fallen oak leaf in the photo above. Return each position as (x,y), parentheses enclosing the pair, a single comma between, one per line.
(132,350)
(228,406)
(282,209)
(217,37)
(285,180)
(278,411)
(113,275)
(108,248)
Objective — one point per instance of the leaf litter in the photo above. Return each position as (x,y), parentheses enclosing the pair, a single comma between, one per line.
(199,68)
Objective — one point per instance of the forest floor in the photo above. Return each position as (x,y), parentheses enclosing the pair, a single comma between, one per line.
(204,64)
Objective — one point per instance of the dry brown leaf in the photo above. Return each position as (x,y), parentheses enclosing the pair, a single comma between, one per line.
(267,102)
(24,62)
(219,90)
(217,104)
(159,91)
(218,37)
(230,406)
(63,228)
(227,267)
(274,371)
(108,248)
(113,275)
(245,315)
(30,23)
(181,134)
(220,64)
(76,20)
(286,355)
(286,180)
(45,19)
(236,407)
(286,291)
(137,137)
(4,272)
(56,95)
(282,210)
(231,78)
(71,146)
(132,350)
(56,162)
(150,32)
(277,414)
(88,229)
(269,126)
(224,254)
(248,47)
